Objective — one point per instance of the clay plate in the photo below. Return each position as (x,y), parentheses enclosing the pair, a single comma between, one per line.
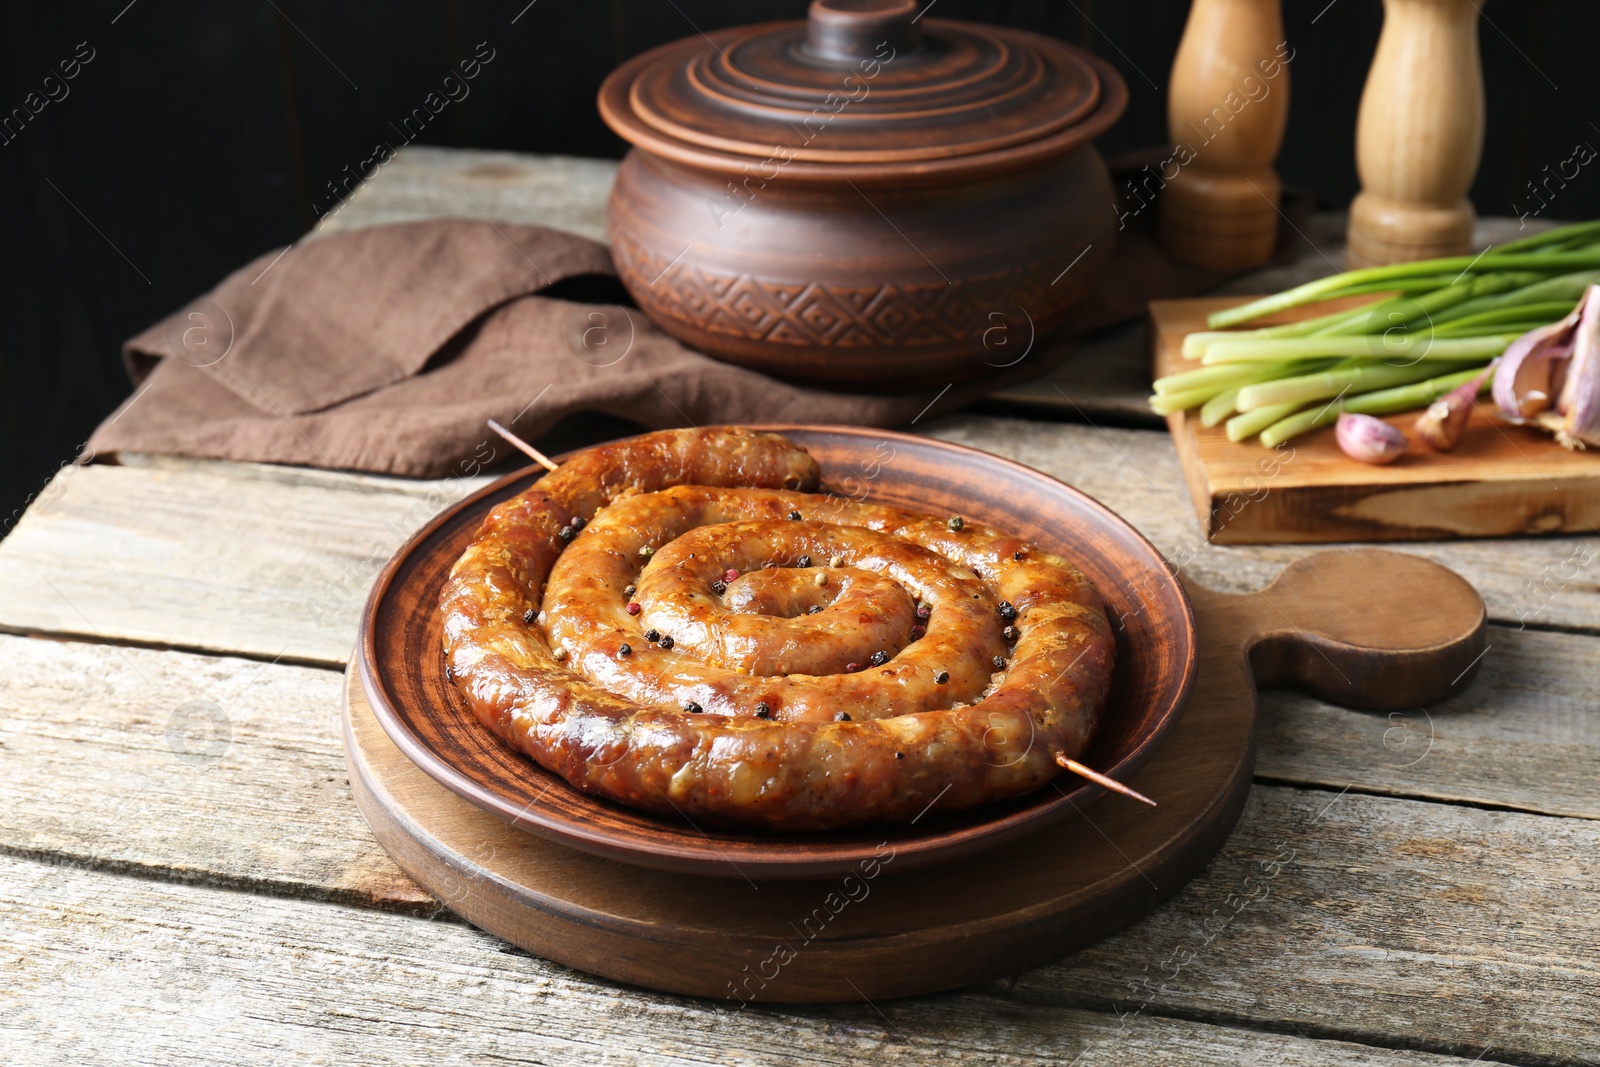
(401,663)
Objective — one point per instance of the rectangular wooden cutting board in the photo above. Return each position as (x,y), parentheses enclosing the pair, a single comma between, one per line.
(1499,480)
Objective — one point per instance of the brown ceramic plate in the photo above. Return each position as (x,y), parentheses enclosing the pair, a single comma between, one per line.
(400,657)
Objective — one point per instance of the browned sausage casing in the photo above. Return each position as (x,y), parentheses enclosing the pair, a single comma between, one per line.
(856,667)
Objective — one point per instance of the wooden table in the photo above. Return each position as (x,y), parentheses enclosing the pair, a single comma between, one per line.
(184,878)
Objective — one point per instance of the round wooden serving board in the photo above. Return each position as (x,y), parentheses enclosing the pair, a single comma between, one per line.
(399,655)
(1332,623)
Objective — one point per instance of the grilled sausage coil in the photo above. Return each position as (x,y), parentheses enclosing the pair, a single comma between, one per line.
(681,622)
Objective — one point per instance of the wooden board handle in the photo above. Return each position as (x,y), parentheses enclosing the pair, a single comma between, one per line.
(1366,628)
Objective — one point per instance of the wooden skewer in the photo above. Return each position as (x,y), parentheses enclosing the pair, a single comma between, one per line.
(533,453)
(1099,779)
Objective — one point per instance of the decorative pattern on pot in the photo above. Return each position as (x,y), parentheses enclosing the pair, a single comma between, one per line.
(786,312)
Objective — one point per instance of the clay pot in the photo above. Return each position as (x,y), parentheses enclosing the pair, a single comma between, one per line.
(864,200)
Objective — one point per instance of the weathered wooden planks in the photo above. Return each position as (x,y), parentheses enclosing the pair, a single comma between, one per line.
(1516,893)
(561,192)
(110,720)
(198,557)
(1389,920)
(99,969)
(273,561)
(222,770)
(1525,734)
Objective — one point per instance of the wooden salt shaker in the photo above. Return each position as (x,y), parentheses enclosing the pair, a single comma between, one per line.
(1226,111)
(1419,136)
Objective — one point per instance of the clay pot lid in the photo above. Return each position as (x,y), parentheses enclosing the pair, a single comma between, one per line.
(862,85)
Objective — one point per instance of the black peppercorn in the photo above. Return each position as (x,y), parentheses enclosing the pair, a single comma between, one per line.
(803,561)
(941,678)
(1017,556)
(529,615)
(666,640)
(899,755)
(628,592)
(999,663)
(763,711)
(813,609)
(843,716)
(1009,633)
(794,515)
(449,673)
(719,587)
(625,650)
(879,658)
(579,523)
(1007,612)
(691,707)
(652,636)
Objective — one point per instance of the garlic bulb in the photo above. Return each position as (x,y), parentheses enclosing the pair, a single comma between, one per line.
(1523,388)
(1551,376)
(1579,403)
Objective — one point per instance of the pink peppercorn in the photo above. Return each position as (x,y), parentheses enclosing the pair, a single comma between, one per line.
(729,575)
(633,608)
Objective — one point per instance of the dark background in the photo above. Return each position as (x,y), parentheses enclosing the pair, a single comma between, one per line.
(205,132)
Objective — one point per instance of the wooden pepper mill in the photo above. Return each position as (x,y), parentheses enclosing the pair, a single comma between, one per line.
(1226,112)
(1419,135)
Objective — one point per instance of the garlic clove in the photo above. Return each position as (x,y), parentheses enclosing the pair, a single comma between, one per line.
(1579,399)
(1368,439)
(1443,424)
(1523,387)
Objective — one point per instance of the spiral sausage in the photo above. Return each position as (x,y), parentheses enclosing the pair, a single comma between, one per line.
(680,622)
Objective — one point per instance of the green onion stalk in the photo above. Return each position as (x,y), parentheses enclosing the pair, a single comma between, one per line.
(1430,326)
(1378,402)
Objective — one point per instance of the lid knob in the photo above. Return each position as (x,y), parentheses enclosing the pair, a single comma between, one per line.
(854,29)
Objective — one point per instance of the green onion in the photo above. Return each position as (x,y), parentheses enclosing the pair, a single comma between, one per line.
(1337,382)
(1338,284)
(1580,231)
(1226,402)
(1420,344)
(1237,374)
(1220,407)
(1564,288)
(1382,402)
(1429,326)
(1253,422)
(1168,403)
(1503,320)
(1420,283)
(1195,379)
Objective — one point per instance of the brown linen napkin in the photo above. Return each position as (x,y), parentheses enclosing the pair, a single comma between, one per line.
(385,349)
